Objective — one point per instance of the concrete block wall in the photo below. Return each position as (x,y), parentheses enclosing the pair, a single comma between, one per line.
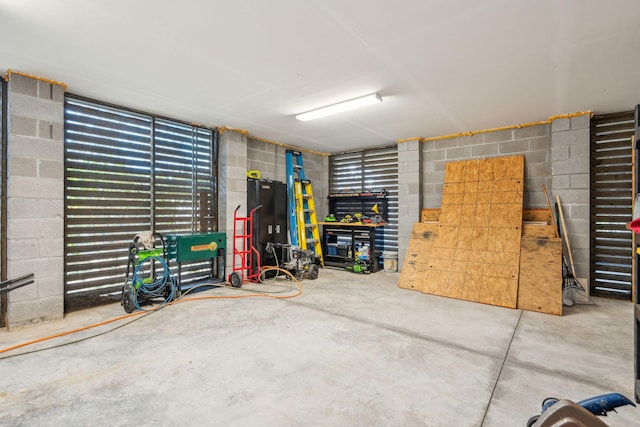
(232,184)
(410,192)
(534,142)
(35,200)
(570,170)
(270,160)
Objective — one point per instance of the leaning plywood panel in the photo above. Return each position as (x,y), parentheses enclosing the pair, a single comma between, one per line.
(540,287)
(476,251)
(416,262)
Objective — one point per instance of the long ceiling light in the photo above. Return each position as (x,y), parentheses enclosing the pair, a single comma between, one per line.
(340,107)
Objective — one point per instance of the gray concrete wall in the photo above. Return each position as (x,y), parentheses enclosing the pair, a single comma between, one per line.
(571,168)
(232,184)
(410,193)
(270,160)
(35,196)
(534,142)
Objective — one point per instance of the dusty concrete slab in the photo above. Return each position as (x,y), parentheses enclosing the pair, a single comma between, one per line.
(351,350)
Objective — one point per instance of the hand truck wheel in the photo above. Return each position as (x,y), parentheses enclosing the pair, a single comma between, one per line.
(235,279)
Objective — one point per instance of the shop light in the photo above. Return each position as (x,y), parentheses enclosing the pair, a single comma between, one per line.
(340,107)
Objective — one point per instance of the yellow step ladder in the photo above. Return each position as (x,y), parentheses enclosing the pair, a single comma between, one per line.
(303,224)
(308,234)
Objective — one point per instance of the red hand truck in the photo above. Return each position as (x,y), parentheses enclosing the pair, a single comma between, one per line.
(244,251)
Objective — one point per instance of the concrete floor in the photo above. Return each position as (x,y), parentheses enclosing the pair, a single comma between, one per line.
(351,350)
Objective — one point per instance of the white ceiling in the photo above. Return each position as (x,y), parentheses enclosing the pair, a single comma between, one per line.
(442,66)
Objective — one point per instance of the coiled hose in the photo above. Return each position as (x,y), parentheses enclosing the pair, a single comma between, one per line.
(162,286)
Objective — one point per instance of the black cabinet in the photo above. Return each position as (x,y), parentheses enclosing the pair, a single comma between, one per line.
(270,221)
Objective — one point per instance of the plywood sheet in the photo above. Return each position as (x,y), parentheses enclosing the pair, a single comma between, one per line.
(540,287)
(417,259)
(475,254)
(430,214)
(532,215)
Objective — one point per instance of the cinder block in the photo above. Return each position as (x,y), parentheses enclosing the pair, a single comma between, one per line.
(433,177)
(21,125)
(533,157)
(23,146)
(559,153)
(536,170)
(476,139)
(441,144)
(542,143)
(428,189)
(485,150)
(23,228)
(254,145)
(434,201)
(413,145)
(498,136)
(571,166)
(573,197)
(440,166)
(50,169)
(51,246)
(581,122)
(433,155)
(560,183)
(560,125)
(52,228)
(531,132)
(35,188)
(458,153)
(45,129)
(45,90)
(409,167)
(574,137)
(578,212)
(58,94)
(20,166)
(426,146)
(23,208)
(580,181)
(533,199)
(25,313)
(580,151)
(510,147)
(23,85)
(22,248)
(581,239)
(47,208)
(28,106)
(402,147)
(414,188)
(50,287)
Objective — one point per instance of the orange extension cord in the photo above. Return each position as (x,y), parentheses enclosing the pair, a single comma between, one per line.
(126,316)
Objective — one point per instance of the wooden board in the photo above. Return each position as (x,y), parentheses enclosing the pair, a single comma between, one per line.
(533,215)
(476,251)
(540,287)
(417,259)
(430,214)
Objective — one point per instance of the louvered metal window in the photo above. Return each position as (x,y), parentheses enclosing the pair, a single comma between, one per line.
(611,204)
(369,170)
(127,172)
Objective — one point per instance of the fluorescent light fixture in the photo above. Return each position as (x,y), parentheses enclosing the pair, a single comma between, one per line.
(340,107)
